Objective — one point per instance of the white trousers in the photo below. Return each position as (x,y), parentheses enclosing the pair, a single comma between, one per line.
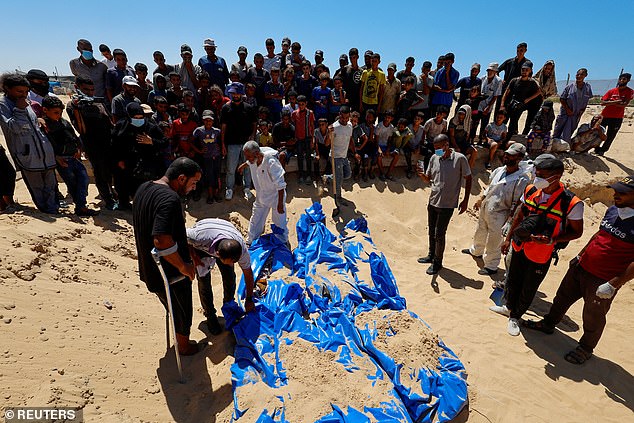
(488,238)
(259,213)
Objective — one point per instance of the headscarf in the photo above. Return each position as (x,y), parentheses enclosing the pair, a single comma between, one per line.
(467,118)
(547,84)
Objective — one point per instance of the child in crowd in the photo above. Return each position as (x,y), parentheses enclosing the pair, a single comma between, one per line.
(273,94)
(321,97)
(204,93)
(383,132)
(175,92)
(400,140)
(433,127)
(166,153)
(291,103)
(305,83)
(473,101)
(459,131)
(263,137)
(207,138)
(190,102)
(66,146)
(414,144)
(249,94)
(337,98)
(496,135)
(408,99)
(540,129)
(322,151)
(369,151)
(359,140)
(182,134)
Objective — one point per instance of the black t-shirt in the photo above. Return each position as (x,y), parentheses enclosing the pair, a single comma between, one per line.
(520,89)
(239,119)
(157,210)
(352,83)
(511,68)
(282,134)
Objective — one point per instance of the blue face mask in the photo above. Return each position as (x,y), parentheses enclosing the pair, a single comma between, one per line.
(137,122)
(439,152)
(87,55)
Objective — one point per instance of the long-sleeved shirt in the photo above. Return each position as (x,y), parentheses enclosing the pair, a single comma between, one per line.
(268,176)
(206,234)
(504,190)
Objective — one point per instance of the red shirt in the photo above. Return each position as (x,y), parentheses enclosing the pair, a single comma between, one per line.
(622,94)
(182,135)
(300,120)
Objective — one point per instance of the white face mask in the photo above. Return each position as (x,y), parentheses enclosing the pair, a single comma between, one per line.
(625,212)
(541,183)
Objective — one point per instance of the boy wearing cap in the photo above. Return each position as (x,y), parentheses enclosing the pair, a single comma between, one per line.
(114,76)
(465,84)
(127,96)
(214,65)
(596,274)
(496,208)
(207,139)
(319,61)
(241,66)
(391,92)
(187,70)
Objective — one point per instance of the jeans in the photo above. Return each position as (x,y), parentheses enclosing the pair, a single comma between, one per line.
(76,179)
(228,286)
(438,219)
(524,278)
(302,150)
(42,186)
(234,158)
(342,171)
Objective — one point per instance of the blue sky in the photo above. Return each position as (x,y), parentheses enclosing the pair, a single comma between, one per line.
(581,33)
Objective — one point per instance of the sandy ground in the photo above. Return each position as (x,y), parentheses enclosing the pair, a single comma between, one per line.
(62,345)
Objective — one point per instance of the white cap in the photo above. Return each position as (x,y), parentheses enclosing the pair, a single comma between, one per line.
(130,80)
(209,43)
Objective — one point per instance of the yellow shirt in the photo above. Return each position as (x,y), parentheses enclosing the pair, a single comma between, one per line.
(265,140)
(372,81)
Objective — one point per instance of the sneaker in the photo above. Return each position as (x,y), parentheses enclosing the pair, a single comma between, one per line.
(513,327)
(434,269)
(486,271)
(229,194)
(500,310)
(248,195)
(112,206)
(468,251)
(308,181)
(214,325)
(425,260)
(381,177)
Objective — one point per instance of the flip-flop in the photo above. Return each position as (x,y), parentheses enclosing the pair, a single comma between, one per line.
(539,326)
(578,356)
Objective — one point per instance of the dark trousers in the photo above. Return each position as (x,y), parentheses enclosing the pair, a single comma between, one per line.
(524,278)
(438,220)
(7,175)
(577,284)
(76,179)
(302,150)
(612,126)
(324,155)
(102,171)
(181,293)
(125,183)
(531,111)
(206,293)
(481,119)
(42,186)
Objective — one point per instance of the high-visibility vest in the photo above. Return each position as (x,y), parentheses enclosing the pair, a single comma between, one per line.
(542,253)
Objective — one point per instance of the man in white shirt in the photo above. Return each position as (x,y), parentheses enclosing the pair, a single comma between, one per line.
(217,241)
(267,175)
(497,206)
(340,141)
(108,59)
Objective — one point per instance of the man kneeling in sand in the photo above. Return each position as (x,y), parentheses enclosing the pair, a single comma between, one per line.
(216,241)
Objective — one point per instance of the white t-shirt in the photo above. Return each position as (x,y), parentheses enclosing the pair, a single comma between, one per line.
(110,63)
(383,133)
(341,139)
(433,129)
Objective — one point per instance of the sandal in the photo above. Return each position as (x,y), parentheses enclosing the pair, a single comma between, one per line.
(539,326)
(578,356)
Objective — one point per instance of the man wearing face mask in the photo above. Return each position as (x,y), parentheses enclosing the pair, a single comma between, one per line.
(127,96)
(445,172)
(88,67)
(159,222)
(136,146)
(39,86)
(496,206)
(597,273)
(549,215)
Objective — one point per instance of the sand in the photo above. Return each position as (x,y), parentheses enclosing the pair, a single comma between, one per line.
(62,345)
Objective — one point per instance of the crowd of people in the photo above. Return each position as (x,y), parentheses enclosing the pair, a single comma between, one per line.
(150,142)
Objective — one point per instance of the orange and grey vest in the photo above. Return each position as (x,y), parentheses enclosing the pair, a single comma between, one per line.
(542,253)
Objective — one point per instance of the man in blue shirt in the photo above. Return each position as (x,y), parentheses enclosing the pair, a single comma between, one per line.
(445,82)
(214,65)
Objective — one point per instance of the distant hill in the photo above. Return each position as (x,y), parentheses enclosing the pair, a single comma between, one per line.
(599,86)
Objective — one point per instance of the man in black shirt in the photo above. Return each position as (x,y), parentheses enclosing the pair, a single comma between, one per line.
(352,80)
(159,222)
(522,93)
(512,68)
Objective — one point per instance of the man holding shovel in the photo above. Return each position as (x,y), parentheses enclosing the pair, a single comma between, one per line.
(159,223)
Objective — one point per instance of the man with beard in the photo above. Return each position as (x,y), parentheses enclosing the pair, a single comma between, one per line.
(127,96)
(159,222)
(615,101)
(496,207)
(574,100)
(597,273)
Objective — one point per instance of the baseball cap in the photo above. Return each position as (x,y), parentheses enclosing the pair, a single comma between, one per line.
(208,114)
(36,74)
(286,41)
(368,53)
(527,64)
(392,66)
(515,149)
(547,104)
(130,80)
(343,57)
(134,109)
(242,49)
(186,49)
(147,110)
(319,53)
(493,66)
(542,157)
(207,43)
(235,88)
(549,164)
(475,66)
(624,185)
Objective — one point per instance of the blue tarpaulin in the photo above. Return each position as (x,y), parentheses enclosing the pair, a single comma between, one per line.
(320,311)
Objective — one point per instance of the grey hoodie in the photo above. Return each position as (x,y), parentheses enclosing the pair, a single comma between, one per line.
(29,147)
